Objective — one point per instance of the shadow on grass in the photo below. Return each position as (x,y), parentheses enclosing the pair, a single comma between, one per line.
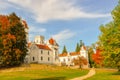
(116,73)
(52,78)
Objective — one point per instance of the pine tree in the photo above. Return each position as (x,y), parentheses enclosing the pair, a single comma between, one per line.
(81,43)
(64,49)
(77,48)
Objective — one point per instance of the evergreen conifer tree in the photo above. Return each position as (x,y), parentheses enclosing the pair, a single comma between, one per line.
(64,49)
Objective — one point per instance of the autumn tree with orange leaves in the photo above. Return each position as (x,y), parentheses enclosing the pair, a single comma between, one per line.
(110,40)
(80,61)
(12,41)
(98,58)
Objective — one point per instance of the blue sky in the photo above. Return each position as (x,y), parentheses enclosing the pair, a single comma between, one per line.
(67,21)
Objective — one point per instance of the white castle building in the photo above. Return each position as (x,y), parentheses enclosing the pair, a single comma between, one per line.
(67,58)
(41,52)
(47,52)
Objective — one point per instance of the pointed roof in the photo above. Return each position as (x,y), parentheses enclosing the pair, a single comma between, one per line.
(84,47)
(51,41)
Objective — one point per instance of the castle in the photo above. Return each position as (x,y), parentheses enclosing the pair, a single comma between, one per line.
(67,58)
(43,52)
(47,52)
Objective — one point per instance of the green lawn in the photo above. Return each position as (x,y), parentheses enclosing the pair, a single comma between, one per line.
(41,72)
(105,74)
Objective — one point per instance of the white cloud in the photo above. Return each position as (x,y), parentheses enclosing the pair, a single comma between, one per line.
(46,10)
(63,35)
(37,30)
(3,5)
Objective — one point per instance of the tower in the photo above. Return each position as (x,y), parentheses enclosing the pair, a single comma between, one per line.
(55,47)
(39,40)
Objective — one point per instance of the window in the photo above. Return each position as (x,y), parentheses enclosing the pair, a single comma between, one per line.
(41,58)
(68,59)
(41,52)
(55,52)
(48,52)
(64,60)
(33,58)
(48,59)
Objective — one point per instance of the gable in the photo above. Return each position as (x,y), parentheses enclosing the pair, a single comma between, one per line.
(33,47)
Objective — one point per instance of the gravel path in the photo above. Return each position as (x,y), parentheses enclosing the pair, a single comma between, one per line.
(91,73)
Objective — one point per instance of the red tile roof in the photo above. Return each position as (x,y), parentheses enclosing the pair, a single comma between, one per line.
(43,47)
(74,53)
(63,54)
(71,54)
(25,24)
(52,41)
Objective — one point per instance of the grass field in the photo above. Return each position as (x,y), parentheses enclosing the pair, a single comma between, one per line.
(105,74)
(41,72)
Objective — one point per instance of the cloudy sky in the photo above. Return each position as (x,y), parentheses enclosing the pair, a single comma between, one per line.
(67,21)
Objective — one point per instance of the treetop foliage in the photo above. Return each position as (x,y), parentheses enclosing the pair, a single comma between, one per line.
(12,41)
(110,39)
(64,49)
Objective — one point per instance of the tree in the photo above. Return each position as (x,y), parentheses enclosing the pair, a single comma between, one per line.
(64,49)
(18,29)
(110,39)
(77,48)
(81,43)
(90,53)
(98,58)
(13,41)
(81,61)
(5,39)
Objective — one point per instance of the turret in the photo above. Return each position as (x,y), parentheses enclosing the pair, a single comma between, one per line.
(39,40)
